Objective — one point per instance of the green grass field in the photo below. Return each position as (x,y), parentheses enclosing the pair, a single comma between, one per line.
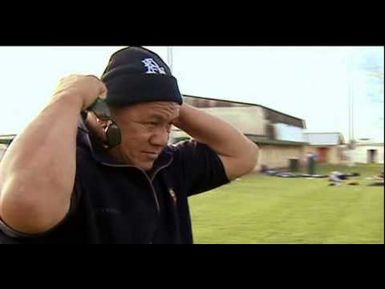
(259,209)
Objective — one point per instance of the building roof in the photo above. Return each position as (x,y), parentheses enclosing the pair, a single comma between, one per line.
(370,144)
(6,138)
(324,138)
(224,102)
(263,140)
(367,142)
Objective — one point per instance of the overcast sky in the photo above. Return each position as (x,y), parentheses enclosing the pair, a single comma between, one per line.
(312,83)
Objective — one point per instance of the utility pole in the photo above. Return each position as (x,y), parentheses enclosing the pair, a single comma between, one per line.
(351,145)
(169,57)
(174,130)
(350,99)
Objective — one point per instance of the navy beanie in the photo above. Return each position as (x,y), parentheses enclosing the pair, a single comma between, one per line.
(136,74)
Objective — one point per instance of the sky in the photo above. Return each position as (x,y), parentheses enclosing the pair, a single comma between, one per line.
(312,83)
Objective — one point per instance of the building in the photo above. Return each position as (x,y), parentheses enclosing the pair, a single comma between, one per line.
(367,151)
(329,147)
(5,140)
(278,135)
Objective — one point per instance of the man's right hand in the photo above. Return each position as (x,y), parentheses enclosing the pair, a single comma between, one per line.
(84,89)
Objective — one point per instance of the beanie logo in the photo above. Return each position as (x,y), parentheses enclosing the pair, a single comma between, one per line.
(152,66)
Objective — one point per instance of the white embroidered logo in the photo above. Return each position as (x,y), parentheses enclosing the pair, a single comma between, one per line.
(152,66)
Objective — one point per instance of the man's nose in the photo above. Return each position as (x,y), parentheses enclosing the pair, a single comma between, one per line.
(160,137)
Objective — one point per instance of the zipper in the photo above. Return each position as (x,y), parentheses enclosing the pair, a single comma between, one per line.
(160,168)
(154,193)
(175,207)
(146,176)
(152,178)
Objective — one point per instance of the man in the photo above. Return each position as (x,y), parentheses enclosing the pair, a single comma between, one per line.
(63,180)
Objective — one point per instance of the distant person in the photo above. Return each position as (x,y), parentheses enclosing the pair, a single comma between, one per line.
(335,178)
(77,176)
(311,159)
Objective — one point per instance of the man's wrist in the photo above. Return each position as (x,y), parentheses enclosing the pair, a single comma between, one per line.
(68,99)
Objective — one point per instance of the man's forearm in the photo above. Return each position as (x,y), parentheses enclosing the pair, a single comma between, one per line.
(38,170)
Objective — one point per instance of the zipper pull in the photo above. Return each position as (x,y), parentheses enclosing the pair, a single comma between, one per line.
(173,195)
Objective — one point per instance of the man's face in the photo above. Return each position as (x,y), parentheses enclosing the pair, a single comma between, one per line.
(145,129)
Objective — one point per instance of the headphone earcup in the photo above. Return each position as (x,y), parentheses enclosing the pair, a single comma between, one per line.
(113,135)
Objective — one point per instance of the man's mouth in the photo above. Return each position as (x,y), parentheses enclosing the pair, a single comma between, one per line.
(151,154)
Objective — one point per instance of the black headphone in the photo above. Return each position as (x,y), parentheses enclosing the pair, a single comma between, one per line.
(113,134)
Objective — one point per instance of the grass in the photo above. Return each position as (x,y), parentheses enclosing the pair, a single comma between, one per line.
(259,209)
